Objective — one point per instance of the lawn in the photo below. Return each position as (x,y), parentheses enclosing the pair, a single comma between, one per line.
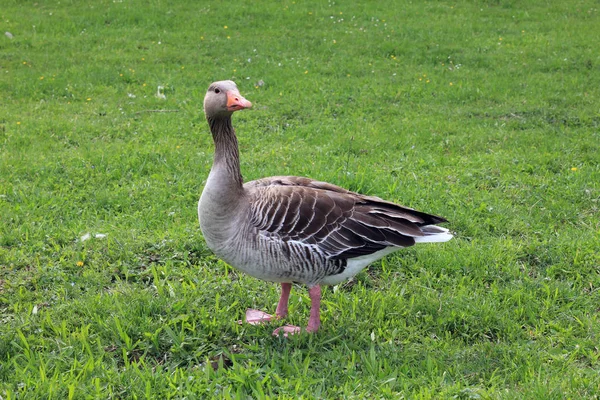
(485,112)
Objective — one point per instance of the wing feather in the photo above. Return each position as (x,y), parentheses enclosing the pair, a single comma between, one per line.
(334,221)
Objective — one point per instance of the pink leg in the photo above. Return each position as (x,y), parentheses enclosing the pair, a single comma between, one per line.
(282,306)
(315,309)
(315,315)
(256,317)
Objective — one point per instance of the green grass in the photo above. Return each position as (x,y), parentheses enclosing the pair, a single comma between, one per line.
(485,112)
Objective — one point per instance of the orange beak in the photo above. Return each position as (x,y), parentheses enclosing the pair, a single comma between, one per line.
(235,101)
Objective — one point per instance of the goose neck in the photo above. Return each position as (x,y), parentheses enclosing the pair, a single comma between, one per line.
(226,164)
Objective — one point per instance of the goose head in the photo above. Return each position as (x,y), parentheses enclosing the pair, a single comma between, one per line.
(222,99)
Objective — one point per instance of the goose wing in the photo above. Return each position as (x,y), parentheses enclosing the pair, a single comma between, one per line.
(334,221)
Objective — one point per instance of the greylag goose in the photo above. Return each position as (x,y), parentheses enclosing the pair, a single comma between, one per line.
(289,229)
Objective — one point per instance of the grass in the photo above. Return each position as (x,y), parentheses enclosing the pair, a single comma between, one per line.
(485,112)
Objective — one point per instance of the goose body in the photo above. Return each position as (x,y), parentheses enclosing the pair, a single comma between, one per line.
(289,229)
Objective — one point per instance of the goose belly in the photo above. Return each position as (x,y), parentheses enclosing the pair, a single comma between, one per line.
(297,263)
(278,261)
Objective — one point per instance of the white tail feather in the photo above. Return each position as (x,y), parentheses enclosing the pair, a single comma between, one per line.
(434,234)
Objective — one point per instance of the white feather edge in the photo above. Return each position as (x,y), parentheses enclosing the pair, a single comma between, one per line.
(443,235)
(355,265)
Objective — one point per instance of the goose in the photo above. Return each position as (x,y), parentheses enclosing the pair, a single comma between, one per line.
(289,229)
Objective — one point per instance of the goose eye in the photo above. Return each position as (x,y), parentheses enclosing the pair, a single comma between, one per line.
(217,91)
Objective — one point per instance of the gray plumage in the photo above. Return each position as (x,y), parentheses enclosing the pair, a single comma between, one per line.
(293,229)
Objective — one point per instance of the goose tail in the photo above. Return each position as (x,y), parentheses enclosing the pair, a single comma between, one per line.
(434,234)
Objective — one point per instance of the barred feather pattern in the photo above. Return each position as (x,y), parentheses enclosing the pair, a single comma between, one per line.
(302,230)
(294,229)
